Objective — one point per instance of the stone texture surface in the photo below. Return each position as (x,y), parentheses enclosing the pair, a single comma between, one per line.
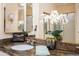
(66,46)
(61,48)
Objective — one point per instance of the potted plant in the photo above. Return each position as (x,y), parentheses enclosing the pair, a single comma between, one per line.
(53,38)
(25,33)
(57,34)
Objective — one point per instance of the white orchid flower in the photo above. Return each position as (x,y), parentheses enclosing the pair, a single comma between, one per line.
(42,18)
(55,17)
(65,18)
(46,18)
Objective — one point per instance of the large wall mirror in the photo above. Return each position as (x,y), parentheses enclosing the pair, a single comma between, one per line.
(18,17)
(13,17)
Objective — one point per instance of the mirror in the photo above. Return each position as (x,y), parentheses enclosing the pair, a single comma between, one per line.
(13,17)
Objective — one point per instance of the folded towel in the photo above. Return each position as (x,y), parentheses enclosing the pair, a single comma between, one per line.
(42,50)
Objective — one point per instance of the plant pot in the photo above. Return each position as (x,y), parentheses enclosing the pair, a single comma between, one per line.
(51,44)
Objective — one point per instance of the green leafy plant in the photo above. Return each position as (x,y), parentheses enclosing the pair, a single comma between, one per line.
(56,34)
(25,33)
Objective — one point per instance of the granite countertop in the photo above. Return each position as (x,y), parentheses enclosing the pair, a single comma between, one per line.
(32,52)
(57,52)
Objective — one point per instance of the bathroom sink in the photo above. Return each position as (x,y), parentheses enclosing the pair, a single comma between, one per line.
(22,47)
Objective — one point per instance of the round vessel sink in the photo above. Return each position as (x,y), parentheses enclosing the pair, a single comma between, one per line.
(22,47)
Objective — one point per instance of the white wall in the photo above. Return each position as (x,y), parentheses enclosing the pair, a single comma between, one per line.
(77,24)
(69,29)
(2,34)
